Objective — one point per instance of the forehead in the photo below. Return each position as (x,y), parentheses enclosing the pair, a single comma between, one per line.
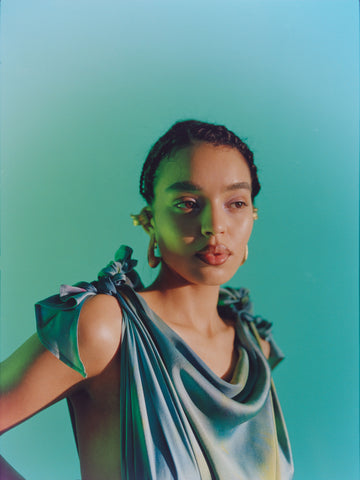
(206,165)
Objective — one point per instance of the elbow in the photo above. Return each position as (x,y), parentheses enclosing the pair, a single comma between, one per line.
(5,423)
(10,414)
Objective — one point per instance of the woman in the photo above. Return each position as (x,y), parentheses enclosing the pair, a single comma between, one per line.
(168,381)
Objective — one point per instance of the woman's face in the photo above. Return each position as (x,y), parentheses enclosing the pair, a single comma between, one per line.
(203,212)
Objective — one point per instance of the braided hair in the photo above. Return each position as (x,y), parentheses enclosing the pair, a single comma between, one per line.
(184,134)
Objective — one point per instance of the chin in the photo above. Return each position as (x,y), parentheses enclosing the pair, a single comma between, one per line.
(215,280)
(202,274)
(213,276)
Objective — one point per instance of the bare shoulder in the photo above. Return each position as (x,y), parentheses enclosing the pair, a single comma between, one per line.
(32,378)
(99,332)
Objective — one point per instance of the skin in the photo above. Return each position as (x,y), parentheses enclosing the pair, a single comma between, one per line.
(210,205)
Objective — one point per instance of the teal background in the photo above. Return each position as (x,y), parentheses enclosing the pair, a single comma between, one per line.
(87,87)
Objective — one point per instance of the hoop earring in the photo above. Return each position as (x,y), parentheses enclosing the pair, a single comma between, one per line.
(153,260)
(246,254)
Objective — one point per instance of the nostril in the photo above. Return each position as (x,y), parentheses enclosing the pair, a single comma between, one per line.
(208,232)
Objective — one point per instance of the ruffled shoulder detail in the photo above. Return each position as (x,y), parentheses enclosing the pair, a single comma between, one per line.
(235,303)
(57,316)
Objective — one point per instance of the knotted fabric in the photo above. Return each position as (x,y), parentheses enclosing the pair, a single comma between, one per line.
(179,420)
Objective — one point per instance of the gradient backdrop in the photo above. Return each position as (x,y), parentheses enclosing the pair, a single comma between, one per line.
(88,86)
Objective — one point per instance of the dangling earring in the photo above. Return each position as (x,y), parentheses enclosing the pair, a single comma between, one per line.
(246,254)
(153,260)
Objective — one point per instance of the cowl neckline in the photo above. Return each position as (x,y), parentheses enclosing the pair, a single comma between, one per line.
(237,374)
(178,418)
(248,386)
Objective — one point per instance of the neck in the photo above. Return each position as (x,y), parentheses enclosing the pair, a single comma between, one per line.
(186,303)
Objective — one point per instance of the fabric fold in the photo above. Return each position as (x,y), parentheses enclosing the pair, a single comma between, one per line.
(235,303)
(179,420)
(57,316)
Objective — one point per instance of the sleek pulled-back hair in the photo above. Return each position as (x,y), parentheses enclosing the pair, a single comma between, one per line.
(184,134)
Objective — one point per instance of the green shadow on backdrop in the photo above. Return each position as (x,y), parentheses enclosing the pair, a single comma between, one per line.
(86,90)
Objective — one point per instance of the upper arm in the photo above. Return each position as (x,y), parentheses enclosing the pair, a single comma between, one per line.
(265,347)
(32,378)
(99,332)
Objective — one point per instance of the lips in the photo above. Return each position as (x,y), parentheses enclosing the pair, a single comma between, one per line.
(214,254)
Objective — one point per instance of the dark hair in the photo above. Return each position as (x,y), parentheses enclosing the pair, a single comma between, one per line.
(183,134)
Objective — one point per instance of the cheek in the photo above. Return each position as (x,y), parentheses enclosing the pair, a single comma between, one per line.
(171,240)
(172,230)
(249,226)
(242,228)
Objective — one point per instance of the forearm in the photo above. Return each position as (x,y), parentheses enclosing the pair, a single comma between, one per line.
(7,472)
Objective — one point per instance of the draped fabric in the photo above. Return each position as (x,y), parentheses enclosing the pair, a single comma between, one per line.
(179,420)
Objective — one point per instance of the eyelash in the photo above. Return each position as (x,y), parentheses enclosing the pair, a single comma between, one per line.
(243,204)
(184,205)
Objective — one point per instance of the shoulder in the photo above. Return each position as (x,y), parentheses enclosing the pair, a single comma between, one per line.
(81,325)
(236,303)
(99,332)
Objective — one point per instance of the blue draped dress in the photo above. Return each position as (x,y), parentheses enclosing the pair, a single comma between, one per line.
(179,420)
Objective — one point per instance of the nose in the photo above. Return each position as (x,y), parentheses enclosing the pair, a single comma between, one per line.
(212,221)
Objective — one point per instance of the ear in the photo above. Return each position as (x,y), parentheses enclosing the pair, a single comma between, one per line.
(145,219)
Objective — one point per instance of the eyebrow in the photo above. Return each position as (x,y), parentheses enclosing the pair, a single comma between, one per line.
(238,186)
(193,187)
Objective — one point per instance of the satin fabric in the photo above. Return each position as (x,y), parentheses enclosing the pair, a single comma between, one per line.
(179,420)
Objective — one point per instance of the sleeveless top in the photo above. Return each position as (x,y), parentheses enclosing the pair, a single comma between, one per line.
(179,420)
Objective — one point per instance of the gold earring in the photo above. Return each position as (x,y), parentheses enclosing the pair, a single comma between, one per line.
(136,220)
(255,214)
(153,260)
(246,254)
(143,219)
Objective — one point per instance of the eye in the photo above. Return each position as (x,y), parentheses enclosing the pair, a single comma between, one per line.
(238,204)
(187,205)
